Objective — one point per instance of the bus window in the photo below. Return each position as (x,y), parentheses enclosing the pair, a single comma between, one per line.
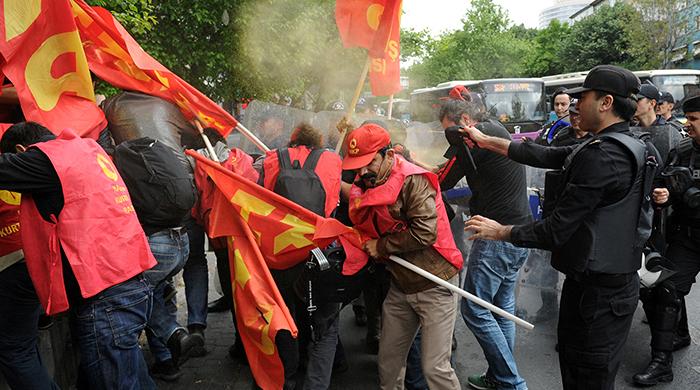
(515,102)
(678,85)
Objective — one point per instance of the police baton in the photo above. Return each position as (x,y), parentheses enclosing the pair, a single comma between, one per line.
(455,289)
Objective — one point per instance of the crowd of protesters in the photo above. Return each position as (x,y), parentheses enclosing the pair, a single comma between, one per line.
(79,233)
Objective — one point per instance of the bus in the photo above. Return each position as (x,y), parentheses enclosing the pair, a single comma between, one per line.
(679,82)
(518,103)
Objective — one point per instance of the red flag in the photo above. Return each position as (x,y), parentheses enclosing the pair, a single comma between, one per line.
(284,231)
(266,230)
(385,70)
(367,23)
(117,58)
(44,59)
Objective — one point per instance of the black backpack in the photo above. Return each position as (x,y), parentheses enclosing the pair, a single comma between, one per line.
(161,189)
(300,184)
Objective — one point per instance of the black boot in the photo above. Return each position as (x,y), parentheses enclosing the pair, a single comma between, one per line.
(659,370)
(180,344)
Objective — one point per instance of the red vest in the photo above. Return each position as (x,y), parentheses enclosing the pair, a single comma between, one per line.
(10,239)
(369,210)
(97,227)
(328,170)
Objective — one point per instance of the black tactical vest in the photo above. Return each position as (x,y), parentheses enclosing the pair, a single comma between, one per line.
(607,240)
(687,154)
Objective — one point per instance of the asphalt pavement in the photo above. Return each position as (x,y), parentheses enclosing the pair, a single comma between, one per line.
(534,351)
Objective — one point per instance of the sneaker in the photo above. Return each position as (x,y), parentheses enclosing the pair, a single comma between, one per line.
(481,382)
(166,370)
(197,334)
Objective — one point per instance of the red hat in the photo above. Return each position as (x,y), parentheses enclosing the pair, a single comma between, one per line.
(363,144)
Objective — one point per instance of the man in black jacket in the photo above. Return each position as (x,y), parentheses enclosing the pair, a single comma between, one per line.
(598,199)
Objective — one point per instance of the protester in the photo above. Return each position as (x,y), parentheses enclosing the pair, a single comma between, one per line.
(62,210)
(664,304)
(590,229)
(20,362)
(493,266)
(239,162)
(316,186)
(195,274)
(161,220)
(398,205)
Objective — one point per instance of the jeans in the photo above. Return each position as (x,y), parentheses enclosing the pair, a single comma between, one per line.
(196,276)
(107,328)
(492,272)
(322,348)
(19,312)
(170,247)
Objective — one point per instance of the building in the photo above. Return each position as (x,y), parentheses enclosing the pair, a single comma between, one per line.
(686,52)
(561,11)
(590,9)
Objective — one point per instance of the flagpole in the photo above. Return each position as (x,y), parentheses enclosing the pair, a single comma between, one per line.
(255,140)
(455,289)
(391,106)
(210,148)
(353,103)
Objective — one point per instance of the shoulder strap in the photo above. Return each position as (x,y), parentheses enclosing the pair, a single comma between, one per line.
(283,158)
(312,159)
(630,143)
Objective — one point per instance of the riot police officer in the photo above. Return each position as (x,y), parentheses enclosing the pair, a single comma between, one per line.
(663,303)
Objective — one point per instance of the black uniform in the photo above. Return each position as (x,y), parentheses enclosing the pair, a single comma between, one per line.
(663,304)
(567,136)
(589,234)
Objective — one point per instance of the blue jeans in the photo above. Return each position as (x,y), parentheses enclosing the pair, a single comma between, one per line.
(196,276)
(107,328)
(19,313)
(170,247)
(492,272)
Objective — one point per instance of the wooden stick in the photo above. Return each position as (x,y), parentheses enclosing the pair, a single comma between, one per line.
(455,289)
(255,140)
(210,148)
(353,104)
(391,106)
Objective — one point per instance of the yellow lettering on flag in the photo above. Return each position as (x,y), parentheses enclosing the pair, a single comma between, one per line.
(293,236)
(11,198)
(19,15)
(251,204)
(44,87)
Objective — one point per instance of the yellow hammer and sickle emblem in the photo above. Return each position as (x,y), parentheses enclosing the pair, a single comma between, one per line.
(11,198)
(107,167)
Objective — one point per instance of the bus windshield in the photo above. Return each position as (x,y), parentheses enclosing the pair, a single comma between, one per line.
(678,85)
(515,101)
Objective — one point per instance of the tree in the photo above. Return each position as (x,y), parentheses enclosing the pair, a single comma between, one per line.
(545,57)
(607,37)
(135,15)
(664,25)
(486,47)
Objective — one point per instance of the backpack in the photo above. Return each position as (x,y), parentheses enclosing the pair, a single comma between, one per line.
(161,189)
(300,184)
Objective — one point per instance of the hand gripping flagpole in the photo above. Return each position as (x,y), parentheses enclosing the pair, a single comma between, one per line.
(210,148)
(455,289)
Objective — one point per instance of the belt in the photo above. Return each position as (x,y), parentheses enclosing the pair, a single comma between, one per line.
(602,280)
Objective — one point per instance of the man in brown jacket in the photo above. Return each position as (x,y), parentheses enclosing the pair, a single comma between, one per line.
(397,205)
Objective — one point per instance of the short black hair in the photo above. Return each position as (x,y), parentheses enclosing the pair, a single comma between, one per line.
(623,107)
(23,133)
(453,109)
(557,92)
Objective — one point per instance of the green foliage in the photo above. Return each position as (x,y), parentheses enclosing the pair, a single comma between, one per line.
(545,57)
(136,15)
(486,47)
(609,36)
(415,44)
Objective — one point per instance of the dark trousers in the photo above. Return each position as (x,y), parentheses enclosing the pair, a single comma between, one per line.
(287,346)
(19,313)
(594,322)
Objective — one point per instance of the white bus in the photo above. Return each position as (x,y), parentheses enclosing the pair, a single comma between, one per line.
(518,103)
(679,82)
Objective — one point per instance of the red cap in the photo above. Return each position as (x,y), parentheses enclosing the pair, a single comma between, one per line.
(363,144)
